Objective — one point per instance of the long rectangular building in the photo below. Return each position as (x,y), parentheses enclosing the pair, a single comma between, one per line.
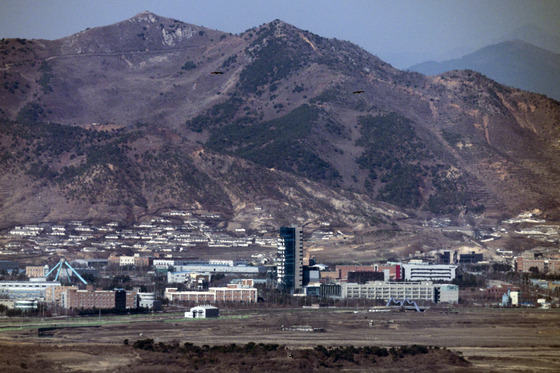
(33,289)
(344,270)
(232,293)
(428,272)
(525,263)
(417,291)
(100,299)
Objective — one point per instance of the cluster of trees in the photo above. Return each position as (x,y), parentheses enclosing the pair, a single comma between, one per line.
(46,76)
(265,357)
(273,61)
(279,143)
(392,155)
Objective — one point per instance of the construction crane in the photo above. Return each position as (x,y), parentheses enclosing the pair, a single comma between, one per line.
(63,263)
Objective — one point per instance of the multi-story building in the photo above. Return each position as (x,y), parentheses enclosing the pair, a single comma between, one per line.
(528,260)
(53,294)
(36,271)
(417,291)
(290,258)
(428,272)
(32,289)
(473,257)
(231,293)
(129,260)
(148,300)
(100,299)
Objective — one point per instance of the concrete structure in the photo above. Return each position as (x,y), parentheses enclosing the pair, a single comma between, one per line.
(446,293)
(510,299)
(290,258)
(37,271)
(203,312)
(473,257)
(496,292)
(8,303)
(148,300)
(231,293)
(192,280)
(53,294)
(417,291)
(26,304)
(100,299)
(32,289)
(544,265)
(343,270)
(135,260)
(219,268)
(447,257)
(428,272)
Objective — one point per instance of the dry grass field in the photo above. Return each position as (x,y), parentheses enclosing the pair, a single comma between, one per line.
(489,339)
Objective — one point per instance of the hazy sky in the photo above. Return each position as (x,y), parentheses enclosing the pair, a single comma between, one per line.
(402,32)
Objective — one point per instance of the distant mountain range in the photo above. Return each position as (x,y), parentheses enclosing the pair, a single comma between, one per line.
(272,126)
(515,63)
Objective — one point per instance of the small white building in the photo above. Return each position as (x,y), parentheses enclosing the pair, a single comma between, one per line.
(203,312)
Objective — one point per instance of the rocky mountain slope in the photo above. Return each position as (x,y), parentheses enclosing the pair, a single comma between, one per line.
(273,125)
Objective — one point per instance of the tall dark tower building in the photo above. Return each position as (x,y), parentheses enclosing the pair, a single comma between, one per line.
(290,258)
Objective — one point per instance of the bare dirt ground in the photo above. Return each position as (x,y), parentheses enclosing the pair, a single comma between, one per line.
(490,339)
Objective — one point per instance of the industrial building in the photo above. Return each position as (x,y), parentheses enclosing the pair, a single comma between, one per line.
(148,300)
(202,312)
(220,268)
(53,294)
(428,272)
(192,280)
(417,291)
(32,289)
(101,299)
(290,258)
(529,260)
(231,293)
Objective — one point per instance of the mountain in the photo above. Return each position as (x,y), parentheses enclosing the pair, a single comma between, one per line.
(533,34)
(272,126)
(514,63)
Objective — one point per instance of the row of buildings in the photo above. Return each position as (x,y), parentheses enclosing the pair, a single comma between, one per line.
(538,261)
(69,297)
(243,293)
(413,281)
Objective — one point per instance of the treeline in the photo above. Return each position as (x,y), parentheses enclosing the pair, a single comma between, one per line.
(266,357)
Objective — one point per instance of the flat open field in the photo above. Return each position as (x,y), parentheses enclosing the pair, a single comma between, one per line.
(490,339)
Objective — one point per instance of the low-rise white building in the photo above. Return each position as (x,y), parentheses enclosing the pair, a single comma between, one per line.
(202,312)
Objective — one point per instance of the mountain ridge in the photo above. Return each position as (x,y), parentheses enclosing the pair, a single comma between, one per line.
(516,63)
(267,118)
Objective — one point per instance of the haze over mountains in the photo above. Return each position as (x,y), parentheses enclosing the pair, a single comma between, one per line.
(528,59)
(150,113)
